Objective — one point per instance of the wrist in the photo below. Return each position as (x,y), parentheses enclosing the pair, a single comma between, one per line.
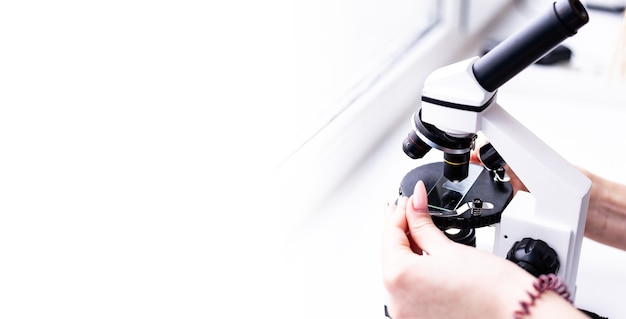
(550,283)
(527,297)
(552,305)
(549,297)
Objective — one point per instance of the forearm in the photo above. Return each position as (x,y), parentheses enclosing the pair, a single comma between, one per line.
(606,217)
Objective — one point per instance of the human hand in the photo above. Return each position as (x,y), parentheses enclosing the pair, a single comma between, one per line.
(429,276)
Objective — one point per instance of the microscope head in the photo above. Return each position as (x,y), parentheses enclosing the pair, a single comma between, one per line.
(449,117)
(454,96)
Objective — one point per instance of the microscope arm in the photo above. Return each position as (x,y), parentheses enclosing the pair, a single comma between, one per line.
(557,209)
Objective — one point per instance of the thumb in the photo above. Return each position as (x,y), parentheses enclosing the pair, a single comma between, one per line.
(423,231)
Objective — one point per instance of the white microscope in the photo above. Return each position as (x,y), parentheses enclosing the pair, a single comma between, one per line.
(540,230)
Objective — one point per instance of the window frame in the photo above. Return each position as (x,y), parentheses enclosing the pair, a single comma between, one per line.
(320,165)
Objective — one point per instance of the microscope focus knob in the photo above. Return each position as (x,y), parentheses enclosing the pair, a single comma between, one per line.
(535,256)
(490,157)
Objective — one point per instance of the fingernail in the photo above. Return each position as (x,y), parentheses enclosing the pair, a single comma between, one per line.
(418,203)
(415,204)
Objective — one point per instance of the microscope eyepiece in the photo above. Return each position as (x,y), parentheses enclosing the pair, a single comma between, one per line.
(529,44)
(572,14)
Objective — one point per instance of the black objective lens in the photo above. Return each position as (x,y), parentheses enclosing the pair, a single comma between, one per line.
(414,147)
(456,166)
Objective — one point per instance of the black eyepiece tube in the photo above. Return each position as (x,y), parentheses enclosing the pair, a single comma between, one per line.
(529,44)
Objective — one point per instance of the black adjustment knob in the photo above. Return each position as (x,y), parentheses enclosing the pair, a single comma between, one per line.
(535,256)
(493,162)
(490,157)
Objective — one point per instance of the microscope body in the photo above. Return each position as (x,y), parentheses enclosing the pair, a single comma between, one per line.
(555,209)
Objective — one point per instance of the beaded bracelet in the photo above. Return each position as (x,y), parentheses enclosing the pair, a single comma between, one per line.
(543,284)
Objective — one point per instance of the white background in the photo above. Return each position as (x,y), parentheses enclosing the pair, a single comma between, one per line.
(129,140)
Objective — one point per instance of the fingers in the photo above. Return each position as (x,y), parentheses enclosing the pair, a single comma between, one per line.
(395,238)
(474,157)
(423,231)
(516,183)
(396,255)
(411,217)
